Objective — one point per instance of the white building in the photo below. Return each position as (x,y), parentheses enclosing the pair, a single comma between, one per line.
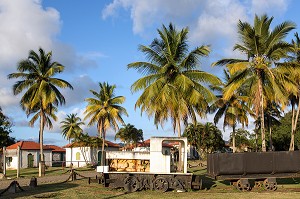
(29,155)
(80,155)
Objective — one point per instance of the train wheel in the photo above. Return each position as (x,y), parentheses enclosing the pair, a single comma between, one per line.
(131,184)
(270,185)
(243,185)
(161,184)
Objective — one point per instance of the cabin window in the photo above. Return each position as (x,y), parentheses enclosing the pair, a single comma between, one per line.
(78,156)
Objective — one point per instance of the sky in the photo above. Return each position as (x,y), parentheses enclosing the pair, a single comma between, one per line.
(96,40)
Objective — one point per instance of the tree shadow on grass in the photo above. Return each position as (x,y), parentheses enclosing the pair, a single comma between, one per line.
(288,180)
(41,191)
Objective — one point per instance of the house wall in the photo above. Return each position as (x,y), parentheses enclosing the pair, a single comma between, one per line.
(85,155)
(24,160)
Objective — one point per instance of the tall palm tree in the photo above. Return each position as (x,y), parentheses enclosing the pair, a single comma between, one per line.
(71,126)
(171,86)
(263,48)
(105,111)
(36,74)
(235,109)
(294,61)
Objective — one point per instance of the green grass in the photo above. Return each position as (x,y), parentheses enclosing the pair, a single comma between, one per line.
(81,189)
(287,188)
(50,171)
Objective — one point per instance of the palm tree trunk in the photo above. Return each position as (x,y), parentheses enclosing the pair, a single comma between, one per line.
(270,133)
(180,150)
(262,120)
(41,164)
(233,139)
(103,143)
(294,126)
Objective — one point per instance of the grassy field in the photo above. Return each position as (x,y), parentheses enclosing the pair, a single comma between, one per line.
(287,188)
(50,171)
(81,189)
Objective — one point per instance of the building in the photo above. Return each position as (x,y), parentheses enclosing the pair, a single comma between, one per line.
(81,155)
(29,155)
(58,155)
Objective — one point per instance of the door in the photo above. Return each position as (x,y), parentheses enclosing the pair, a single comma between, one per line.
(30,159)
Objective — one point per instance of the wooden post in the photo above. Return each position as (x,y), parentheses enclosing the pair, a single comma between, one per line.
(18,162)
(4,161)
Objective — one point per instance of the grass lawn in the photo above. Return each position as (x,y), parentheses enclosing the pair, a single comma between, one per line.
(287,188)
(81,189)
(50,171)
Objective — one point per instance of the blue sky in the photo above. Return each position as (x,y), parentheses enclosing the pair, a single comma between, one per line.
(95,40)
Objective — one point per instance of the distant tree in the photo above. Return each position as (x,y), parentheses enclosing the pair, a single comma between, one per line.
(129,134)
(71,126)
(207,138)
(5,130)
(282,136)
(233,110)
(242,138)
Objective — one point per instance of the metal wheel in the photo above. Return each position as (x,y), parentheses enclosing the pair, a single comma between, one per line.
(243,185)
(270,185)
(131,184)
(161,184)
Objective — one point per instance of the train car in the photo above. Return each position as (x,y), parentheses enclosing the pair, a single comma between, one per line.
(155,170)
(261,167)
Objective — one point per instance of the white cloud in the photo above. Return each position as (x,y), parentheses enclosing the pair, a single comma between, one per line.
(271,7)
(25,25)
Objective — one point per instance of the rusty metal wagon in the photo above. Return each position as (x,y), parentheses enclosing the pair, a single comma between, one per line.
(261,167)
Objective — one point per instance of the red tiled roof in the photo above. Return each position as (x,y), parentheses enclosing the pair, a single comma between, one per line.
(27,145)
(82,144)
(56,148)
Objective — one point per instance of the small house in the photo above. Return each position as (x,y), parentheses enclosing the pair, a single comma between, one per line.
(80,155)
(29,155)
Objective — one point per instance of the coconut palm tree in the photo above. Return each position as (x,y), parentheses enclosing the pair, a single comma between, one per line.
(105,111)
(171,86)
(263,48)
(294,98)
(36,74)
(235,109)
(71,126)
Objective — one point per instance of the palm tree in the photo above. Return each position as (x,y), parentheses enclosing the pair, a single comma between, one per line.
(105,110)
(263,48)
(294,61)
(235,109)
(71,126)
(41,87)
(171,87)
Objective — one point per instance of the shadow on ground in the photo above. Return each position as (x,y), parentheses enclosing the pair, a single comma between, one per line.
(41,191)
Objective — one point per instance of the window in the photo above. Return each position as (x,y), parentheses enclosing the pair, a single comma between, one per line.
(78,156)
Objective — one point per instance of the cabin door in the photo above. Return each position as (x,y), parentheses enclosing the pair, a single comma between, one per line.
(30,160)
